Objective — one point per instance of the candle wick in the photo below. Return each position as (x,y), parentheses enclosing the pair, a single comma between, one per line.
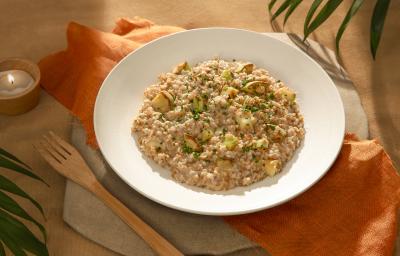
(10,79)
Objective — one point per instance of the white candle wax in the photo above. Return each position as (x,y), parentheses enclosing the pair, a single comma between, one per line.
(14,82)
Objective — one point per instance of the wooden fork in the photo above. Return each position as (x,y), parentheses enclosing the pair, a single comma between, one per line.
(66,160)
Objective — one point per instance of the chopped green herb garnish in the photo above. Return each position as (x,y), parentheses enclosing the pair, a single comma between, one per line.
(224,130)
(161,118)
(186,149)
(204,78)
(254,109)
(246,149)
(245,81)
(196,115)
(196,155)
(272,126)
(271,96)
(251,108)
(264,106)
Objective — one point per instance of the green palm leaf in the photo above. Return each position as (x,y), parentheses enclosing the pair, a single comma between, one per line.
(12,245)
(13,233)
(377,22)
(311,23)
(310,14)
(9,186)
(271,5)
(24,238)
(352,11)
(6,154)
(323,15)
(10,165)
(2,251)
(8,204)
(282,8)
(292,7)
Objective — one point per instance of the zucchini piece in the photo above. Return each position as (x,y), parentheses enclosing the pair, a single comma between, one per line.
(230,141)
(230,91)
(206,134)
(163,102)
(248,68)
(227,75)
(182,66)
(261,144)
(256,87)
(246,120)
(286,93)
(198,104)
(271,167)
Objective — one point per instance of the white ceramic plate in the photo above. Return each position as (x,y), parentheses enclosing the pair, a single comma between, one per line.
(121,95)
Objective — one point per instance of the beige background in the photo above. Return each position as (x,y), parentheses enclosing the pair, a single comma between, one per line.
(32,29)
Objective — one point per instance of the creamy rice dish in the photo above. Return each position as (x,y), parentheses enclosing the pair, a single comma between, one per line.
(219,124)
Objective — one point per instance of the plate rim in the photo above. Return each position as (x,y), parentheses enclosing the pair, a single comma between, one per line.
(225,213)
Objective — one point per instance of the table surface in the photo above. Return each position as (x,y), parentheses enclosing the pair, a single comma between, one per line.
(33,29)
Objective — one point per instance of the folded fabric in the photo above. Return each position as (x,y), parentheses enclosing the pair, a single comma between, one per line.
(74,76)
(351,211)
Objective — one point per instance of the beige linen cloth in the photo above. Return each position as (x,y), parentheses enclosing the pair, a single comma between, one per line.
(193,234)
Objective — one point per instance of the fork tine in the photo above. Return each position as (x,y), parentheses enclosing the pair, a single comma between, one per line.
(62,142)
(47,147)
(60,150)
(46,155)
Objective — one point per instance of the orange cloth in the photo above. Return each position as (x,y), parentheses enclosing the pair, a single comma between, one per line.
(351,211)
(74,76)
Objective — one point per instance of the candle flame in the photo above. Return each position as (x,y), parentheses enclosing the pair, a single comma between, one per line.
(10,78)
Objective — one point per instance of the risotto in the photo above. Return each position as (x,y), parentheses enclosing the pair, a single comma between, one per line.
(219,124)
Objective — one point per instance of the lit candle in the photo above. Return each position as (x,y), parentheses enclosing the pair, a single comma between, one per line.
(19,86)
(14,82)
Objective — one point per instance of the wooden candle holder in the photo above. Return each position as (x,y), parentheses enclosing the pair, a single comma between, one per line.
(27,100)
